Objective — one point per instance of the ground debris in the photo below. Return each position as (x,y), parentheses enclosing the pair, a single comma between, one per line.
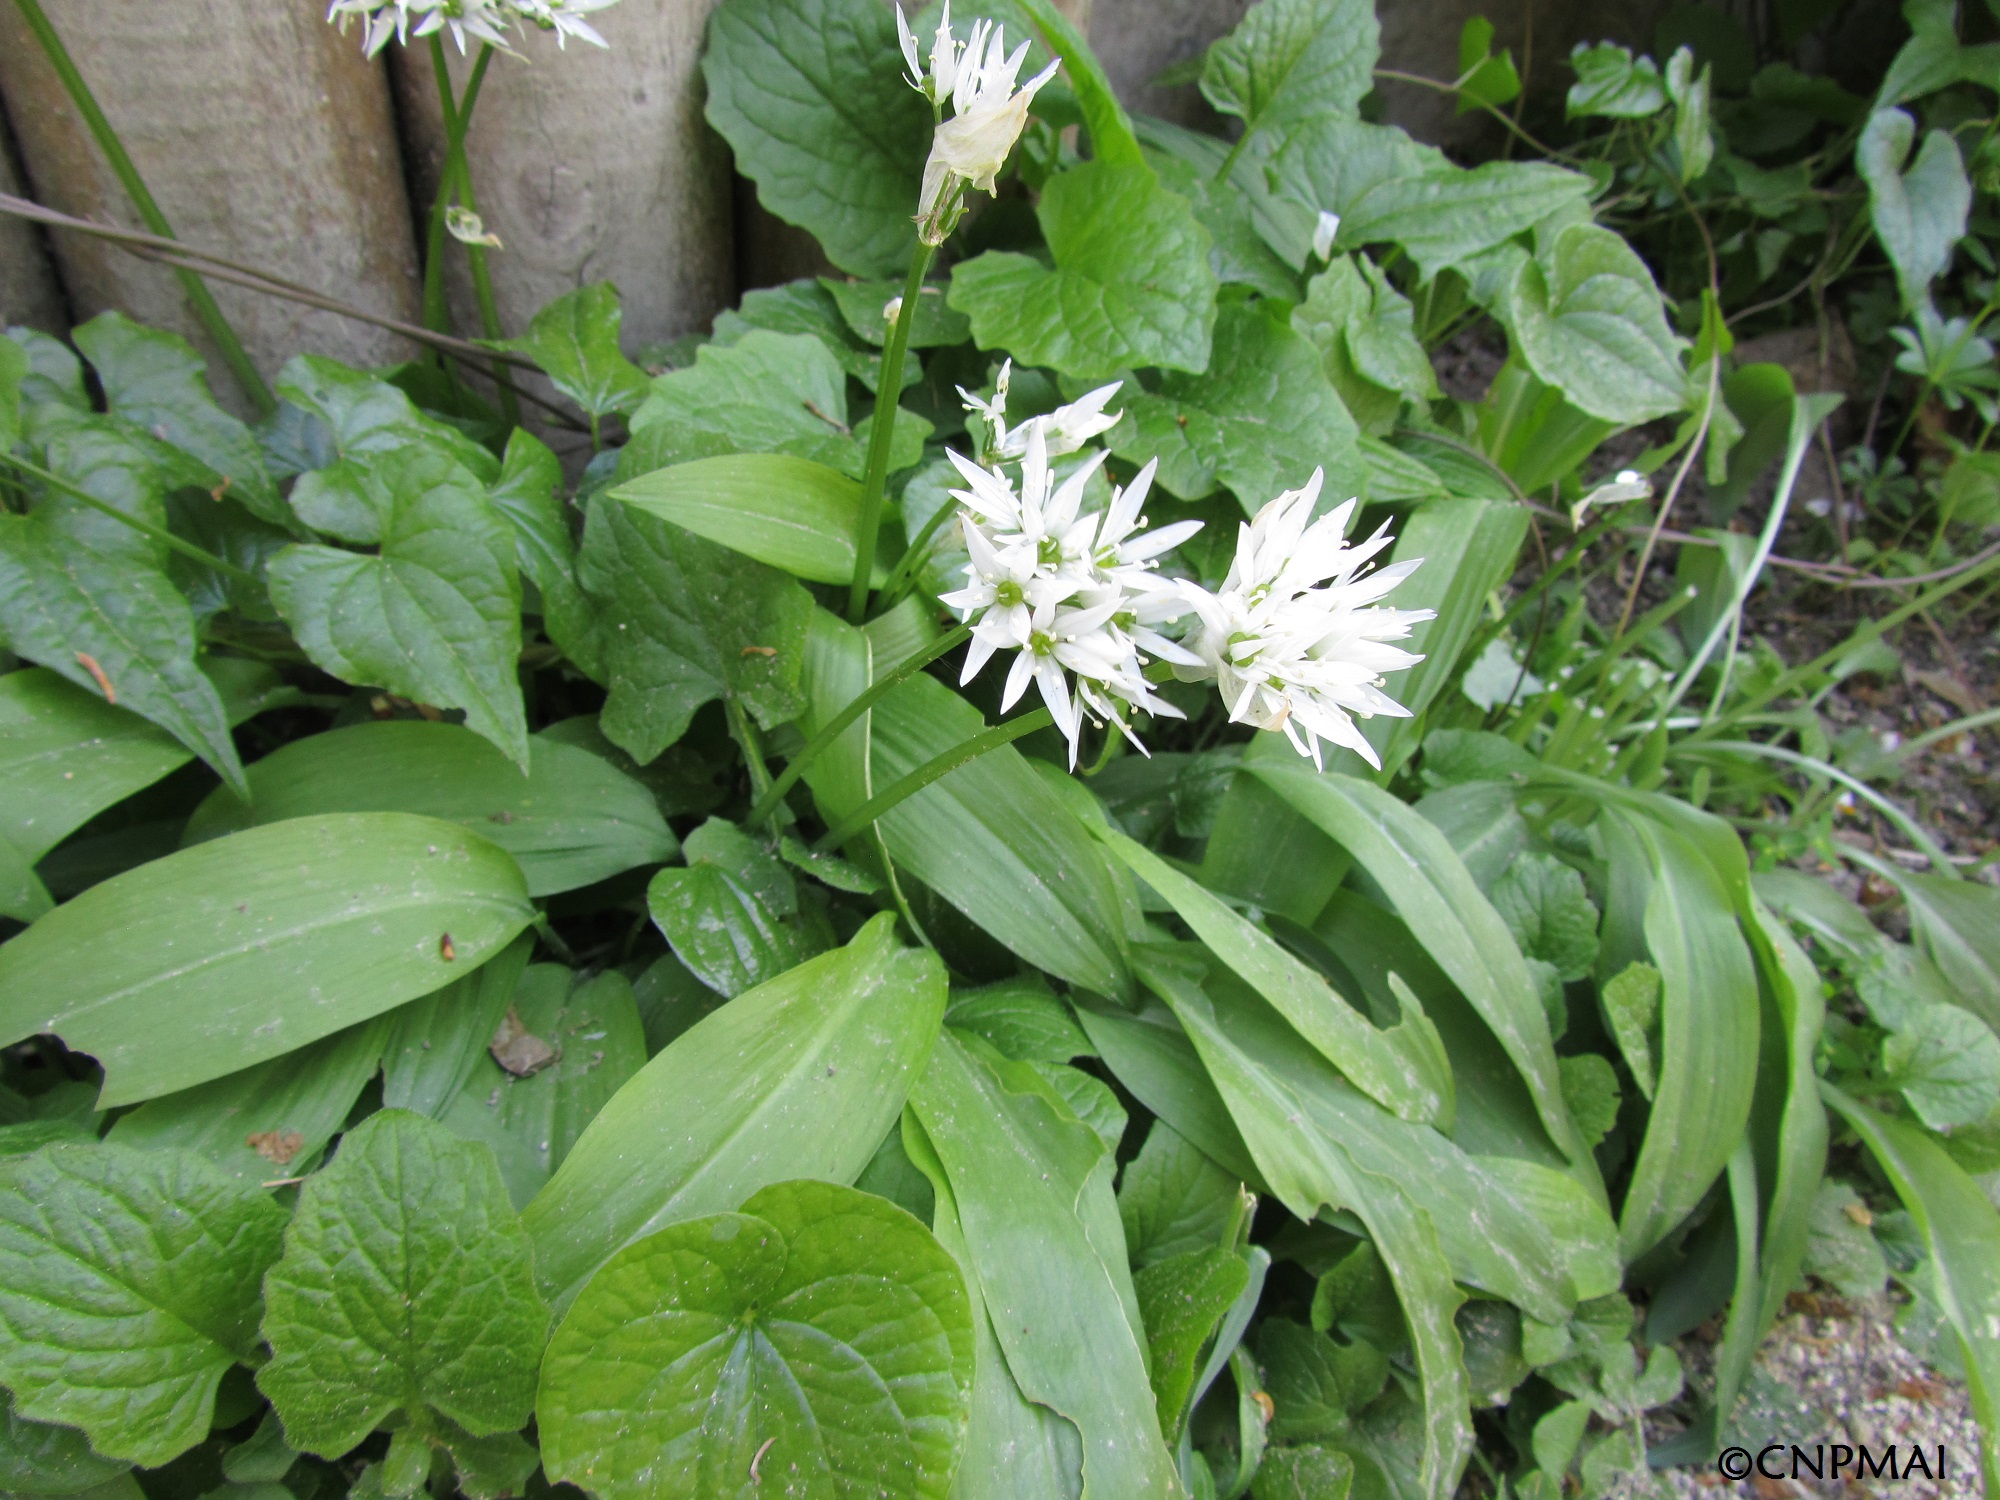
(518,1049)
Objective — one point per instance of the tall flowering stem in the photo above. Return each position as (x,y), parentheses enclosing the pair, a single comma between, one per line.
(887,403)
(218,327)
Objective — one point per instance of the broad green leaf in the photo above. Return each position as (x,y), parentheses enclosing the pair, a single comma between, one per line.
(1958,923)
(992,838)
(575,341)
(1933,58)
(1708,1025)
(1587,319)
(1365,331)
(243,949)
(528,497)
(573,820)
(1918,207)
(1032,1191)
(807,307)
(804,1074)
(864,305)
(74,595)
(1590,1093)
(128,1286)
(1172,1199)
(729,936)
(14,369)
(1183,1300)
(811,98)
(357,416)
(1693,142)
(1403,1068)
(1611,83)
(1290,61)
(1131,284)
(435,1044)
(266,1122)
(1306,1471)
(155,380)
(1309,1169)
(820,1334)
(1315,1381)
(1631,1001)
(1552,918)
(1482,822)
(764,393)
(1151,1057)
(1946,1062)
(1461,931)
(407,1284)
(1961,1231)
(593,1028)
(793,513)
(1188,163)
(67,755)
(43,1458)
(1259,421)
(1022,1018)
(1839,1248)
(436,616)
(1388,189)
(1090,1099)
(1482,77)
(1111,137)
(686,620)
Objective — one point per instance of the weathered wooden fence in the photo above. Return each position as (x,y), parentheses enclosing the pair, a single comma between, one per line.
(267,137)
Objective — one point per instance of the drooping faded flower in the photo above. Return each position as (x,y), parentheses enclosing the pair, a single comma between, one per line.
(988,114)
(1296,638)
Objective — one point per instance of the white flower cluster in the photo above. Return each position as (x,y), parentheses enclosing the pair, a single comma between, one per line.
(987,114)
(492,21)
(1295,640)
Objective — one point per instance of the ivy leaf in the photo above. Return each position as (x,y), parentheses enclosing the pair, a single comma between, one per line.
(128,1286)
(155,380)
(407,1284)
(1544,904)
(575,341)
(436,616)
(355,415)
(1365,331)
(1586,318)
(1919,214)
(1182,1299)
(811,98)
(528,497)
(1260,420)
(1131,284)
(820,1334)
(1612,84)
(1172,1199)
(687,620)
(1292,60)
(765,393)
(1947,1063)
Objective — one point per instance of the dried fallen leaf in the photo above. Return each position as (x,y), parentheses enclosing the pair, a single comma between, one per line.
(277,1147)
(518,1049)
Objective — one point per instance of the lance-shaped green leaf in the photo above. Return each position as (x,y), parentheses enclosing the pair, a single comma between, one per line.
(1958,923)
(1709,1023)
(155,380)
(803,1075)
(811,98)
(992,838)
(1587,319)
(1131,284)
(1183,1298)
(1032,1190)
(1404,1068)
(528,497)
(684,621)
(1290,61)
(1918,207)
(1312,1168)
(435,616)
(407,1284)
(573,820)
(45,1458)
(1259,421)
(435,1044)
(128,1286)
(1457,926)
(354,415)
(1962,1233)
(593,1029)
(793,513)
(267,1122)
(575,341)
(820,1334)
(240,950)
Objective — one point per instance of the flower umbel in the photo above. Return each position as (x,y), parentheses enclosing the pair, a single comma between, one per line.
(490,21)
(1063,430)
(988,114)
(1295,638)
